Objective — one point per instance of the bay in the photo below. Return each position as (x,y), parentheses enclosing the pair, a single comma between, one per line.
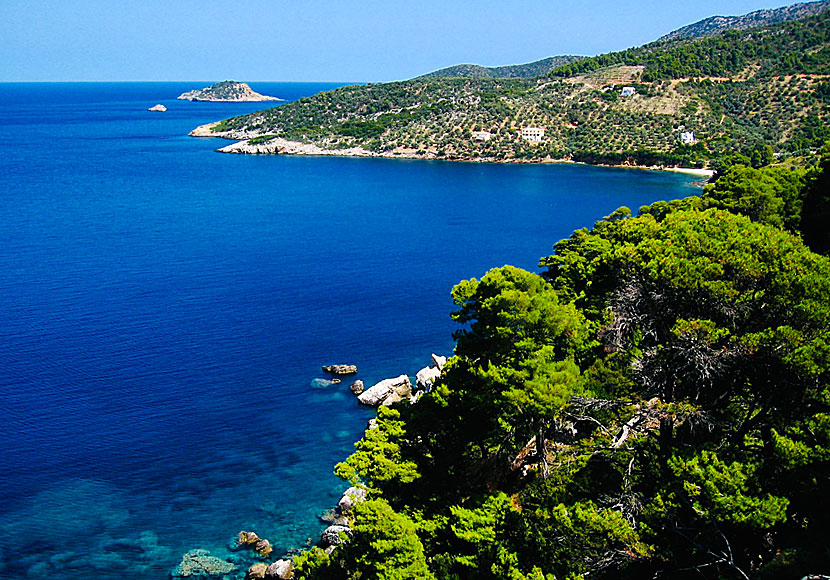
(165,310)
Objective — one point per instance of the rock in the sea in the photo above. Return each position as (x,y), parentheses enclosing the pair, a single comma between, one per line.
(357,387)
(351,497)
(378,393)
(283,569)
(160,108)
(340,369)
(331,536)
(201,563)
(426,377)
(333,516)
(263,548)
(247,538)
(257,571)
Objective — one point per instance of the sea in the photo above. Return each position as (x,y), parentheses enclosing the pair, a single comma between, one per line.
(165,311)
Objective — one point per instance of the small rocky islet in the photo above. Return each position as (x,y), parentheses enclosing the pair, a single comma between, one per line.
(226,91)
(199,563)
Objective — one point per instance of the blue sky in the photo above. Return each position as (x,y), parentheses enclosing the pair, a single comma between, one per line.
(330,40)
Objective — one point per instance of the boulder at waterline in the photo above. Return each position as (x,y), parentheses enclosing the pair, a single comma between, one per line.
(282,569)
(331,536)
(351,497)
(379,392)
(357,387)
(257,571)
(426,377)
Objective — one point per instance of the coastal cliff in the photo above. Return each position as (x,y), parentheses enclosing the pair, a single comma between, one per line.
(227,91)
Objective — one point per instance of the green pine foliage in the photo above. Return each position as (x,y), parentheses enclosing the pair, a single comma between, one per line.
(656,405)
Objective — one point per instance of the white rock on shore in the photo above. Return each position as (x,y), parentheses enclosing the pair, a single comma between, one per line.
(426,377)
(391,390)
(278,145)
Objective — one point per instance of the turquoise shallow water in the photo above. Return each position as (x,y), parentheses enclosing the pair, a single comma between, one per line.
(165,310)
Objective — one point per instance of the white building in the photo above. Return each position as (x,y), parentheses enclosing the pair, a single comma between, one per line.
(629,91)
(688,138)
(482,135)
(533,134)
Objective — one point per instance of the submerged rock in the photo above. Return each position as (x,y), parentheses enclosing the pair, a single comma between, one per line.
(201,563)
(357,387)
(251,540)
(333,516)
(376,395)
(341,369)
(323,383)
(331,536)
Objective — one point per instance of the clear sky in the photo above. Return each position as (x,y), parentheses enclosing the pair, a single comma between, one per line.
(326,40)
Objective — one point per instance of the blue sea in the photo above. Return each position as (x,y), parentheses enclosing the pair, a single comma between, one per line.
(165,309)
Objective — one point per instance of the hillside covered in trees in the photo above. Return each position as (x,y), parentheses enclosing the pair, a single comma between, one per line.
(529,70)
(737,92)
(656,404)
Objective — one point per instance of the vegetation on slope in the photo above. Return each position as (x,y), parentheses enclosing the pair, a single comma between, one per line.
(736,92)
(528,70)
(717,24)
(799,47)
(656,405)
(226,91)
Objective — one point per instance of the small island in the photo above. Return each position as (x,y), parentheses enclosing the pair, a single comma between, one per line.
(226,91)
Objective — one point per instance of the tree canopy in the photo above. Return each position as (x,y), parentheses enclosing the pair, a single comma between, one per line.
(656,404)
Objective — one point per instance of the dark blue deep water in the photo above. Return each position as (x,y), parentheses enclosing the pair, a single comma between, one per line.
(164,309)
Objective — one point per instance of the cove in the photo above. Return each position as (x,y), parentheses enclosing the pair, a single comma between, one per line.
(166,308)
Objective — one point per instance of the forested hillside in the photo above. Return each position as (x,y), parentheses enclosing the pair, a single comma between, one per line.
(529,70)
(655,405)
(738,92)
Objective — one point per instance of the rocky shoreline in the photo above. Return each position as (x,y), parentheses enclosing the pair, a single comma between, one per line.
(279,146)
(251,553)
